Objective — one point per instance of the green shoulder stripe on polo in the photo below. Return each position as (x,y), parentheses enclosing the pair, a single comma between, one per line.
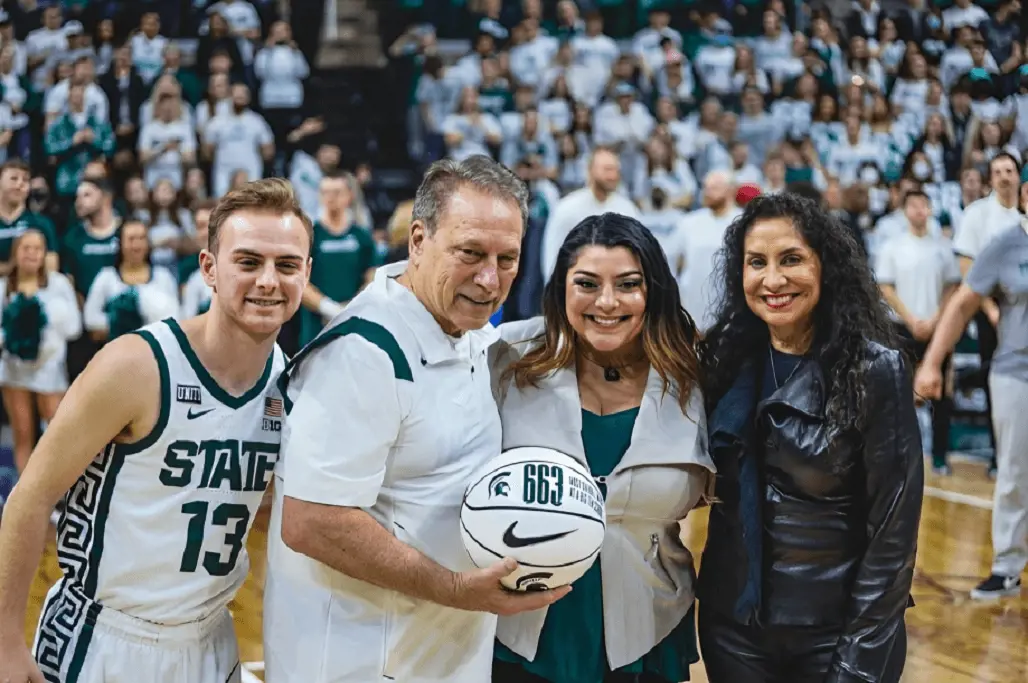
(372,332)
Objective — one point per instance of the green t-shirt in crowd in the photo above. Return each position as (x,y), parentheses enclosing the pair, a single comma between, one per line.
(26,220)
(571,645)
(84,256)
(340,262)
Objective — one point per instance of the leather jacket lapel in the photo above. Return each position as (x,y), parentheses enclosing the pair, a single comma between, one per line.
(803,392)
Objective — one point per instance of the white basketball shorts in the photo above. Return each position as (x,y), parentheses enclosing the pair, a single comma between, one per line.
(81,642)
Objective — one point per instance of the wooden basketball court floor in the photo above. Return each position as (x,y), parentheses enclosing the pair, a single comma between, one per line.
(952,639)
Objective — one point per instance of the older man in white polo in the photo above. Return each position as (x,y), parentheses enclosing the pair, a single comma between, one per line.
(389,413)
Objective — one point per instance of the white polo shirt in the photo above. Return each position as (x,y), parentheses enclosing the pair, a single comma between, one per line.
(920,268)
(982,221)
(391,415)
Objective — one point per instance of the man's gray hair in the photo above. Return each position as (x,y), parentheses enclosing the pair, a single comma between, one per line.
(444,178)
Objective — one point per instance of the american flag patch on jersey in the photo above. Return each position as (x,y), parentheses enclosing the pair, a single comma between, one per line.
(273,407)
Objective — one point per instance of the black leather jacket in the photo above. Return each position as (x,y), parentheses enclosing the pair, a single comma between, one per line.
(810,532)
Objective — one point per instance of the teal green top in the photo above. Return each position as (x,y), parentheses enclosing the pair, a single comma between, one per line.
(340,262)
(571,645)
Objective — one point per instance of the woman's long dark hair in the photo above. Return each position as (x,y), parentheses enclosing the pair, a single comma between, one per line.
(668,334)
(849,313)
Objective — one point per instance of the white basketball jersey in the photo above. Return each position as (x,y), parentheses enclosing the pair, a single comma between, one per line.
(157,529)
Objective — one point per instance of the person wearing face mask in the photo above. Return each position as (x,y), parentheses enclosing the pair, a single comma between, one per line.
(609,375)
(16,216)
(877,192)
(895,222)
(921,169)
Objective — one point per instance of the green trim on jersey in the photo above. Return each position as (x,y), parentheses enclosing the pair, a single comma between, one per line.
(213,388)
(165,411)
(370,331)
(82,646)
(117,455)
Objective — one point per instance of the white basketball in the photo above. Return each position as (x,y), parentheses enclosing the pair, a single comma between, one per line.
(540,507)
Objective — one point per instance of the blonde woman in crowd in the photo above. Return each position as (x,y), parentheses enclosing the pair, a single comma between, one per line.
(40,316)
(131,293)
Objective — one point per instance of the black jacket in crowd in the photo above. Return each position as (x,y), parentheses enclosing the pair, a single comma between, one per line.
(808,531)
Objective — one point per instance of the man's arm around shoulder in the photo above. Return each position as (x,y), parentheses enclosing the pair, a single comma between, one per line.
(117,397)
(347,414)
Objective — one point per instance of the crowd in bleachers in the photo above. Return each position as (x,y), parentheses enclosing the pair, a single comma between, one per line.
(682,110)
(773,91)
(120,125)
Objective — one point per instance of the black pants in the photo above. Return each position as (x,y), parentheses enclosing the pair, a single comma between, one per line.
(986,347)
(942,409)
(736,653)
(505,672)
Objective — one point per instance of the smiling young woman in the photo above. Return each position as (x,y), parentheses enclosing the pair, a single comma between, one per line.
(610,376)
(809,559)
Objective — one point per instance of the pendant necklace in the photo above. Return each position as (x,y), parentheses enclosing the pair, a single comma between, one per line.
(611,373)
(774,372)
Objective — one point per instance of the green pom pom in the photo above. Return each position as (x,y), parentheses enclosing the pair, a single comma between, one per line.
(23,322)
(123,314)
(203,307)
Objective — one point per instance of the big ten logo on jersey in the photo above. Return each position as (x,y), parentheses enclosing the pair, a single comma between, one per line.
(272,419)
(224,464)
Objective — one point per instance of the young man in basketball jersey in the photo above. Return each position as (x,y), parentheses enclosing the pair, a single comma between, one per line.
(165,446)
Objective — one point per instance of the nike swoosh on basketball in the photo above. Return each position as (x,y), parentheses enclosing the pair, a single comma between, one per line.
(192,416)
(513,541)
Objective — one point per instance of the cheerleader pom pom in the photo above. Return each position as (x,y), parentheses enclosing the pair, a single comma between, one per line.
(155,305)
(23,322)
(123,314)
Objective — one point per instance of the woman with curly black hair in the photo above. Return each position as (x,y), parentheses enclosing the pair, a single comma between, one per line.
(810,551)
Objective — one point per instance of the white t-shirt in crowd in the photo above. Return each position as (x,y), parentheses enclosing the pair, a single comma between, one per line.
(666,224)
(920,268)
(702,233)
(240,15)
(572,210)
(982,221)
(168,165)
(281,70)
(96,105)
(148,56)
(237,141)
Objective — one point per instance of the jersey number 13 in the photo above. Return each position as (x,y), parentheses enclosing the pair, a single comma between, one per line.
(235,517)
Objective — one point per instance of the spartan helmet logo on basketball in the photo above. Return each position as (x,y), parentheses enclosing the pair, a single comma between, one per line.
(533,582)
(499,486)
